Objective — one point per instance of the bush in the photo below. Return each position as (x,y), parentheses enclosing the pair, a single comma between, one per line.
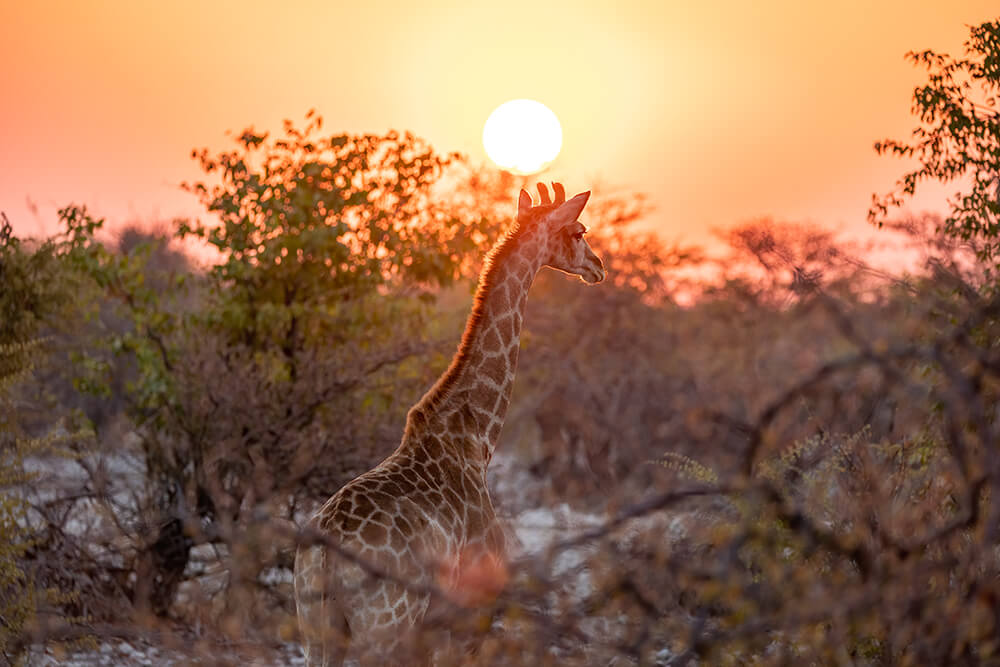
(33,286)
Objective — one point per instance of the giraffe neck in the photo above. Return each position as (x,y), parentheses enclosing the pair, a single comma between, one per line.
(474,393)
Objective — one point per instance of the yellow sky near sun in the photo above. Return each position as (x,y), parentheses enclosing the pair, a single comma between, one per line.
(720,111)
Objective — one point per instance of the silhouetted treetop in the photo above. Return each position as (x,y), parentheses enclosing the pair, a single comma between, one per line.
(327,216)
(958,139)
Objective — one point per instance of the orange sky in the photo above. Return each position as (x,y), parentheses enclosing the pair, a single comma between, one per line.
(720,111)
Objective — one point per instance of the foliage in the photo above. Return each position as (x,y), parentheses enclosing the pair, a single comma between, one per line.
(958,139)
(33,285)
(17,599)
(123,278)
(310,222)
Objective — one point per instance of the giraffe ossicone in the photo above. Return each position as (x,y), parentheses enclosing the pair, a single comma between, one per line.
(424,514)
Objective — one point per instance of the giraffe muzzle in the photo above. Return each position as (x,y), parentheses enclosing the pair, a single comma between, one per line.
(593,272)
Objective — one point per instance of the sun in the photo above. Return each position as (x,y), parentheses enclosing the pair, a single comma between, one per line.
(522,136)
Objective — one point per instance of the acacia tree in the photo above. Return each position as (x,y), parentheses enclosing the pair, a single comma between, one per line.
(958,139)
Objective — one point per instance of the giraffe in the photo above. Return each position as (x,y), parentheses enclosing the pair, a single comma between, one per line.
(423,515)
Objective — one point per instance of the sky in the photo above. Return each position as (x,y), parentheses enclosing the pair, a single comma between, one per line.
(720,112)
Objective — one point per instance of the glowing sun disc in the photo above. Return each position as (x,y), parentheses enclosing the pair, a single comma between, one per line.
(522,136)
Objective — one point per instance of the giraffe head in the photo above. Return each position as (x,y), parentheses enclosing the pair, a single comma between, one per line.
(559,229)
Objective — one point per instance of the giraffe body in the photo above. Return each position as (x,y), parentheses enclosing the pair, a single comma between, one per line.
(423,517)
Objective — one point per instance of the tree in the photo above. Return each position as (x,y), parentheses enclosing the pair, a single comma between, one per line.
(958,139)
(323,220)
(285,369)
(324,241)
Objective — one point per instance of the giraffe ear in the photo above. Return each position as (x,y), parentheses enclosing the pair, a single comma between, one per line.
(571,210)
(523,204)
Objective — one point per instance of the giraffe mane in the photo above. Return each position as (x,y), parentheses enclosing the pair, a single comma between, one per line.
(438,393)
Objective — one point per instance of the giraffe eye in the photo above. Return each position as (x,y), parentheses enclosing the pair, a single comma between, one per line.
(577,236)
